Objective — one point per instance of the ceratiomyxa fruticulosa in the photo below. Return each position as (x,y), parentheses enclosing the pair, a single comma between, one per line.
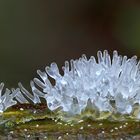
(86,83)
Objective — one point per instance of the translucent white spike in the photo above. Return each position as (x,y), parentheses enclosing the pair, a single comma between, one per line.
(107,59)
(50,72)
(21,99)
(35,90)
(25,92)
(54,68)
(39,83)
(72,67)
(100,57)
(84,57)
(8,99)
(124,60)
(66,67)
(1,88)
(115,57)
(92,59)
(14,92)
(36,97)
(115,53)
(43,75)
(53,71)
(105,53)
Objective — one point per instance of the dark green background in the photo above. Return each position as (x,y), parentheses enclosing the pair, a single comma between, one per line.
(34,33)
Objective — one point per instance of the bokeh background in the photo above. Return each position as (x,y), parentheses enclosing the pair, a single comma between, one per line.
(34,33)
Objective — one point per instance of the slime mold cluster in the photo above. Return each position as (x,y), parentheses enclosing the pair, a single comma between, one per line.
(106,84)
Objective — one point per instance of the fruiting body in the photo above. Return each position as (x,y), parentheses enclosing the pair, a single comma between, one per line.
(109,85)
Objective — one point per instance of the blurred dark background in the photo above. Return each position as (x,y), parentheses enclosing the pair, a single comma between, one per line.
(34,33)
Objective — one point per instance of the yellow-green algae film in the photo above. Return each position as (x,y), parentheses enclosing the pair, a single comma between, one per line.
(36,121)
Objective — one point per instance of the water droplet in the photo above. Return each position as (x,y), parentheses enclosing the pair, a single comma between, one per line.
(100,124)
(25,130)
(21,109)
(37,125)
